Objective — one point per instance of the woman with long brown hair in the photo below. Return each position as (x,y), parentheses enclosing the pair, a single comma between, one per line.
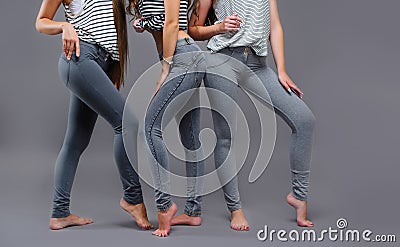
(92,67)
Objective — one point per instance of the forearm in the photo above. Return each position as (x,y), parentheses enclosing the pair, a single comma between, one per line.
(170,37)
(50,27)
(204,32)
(278,47)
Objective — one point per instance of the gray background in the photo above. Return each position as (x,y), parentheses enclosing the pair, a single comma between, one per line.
(344,55)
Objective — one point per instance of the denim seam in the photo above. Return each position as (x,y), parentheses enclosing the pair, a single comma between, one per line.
(151,128)
(194,163)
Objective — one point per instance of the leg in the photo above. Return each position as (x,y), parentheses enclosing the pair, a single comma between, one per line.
(189,129)
(180,80)
(81,120)
(301,121)
(88,82)
(224,159)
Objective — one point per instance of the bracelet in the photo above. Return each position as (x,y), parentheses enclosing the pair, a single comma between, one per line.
(168,62)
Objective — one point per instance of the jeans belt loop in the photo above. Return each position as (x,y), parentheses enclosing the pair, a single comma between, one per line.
(187,40)
(246,50)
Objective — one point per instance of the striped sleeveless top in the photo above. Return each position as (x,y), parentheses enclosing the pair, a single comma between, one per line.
(253,32)
(154,14)
(93,21)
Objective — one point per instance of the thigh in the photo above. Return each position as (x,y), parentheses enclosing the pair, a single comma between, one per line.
(188,119)
(89,83)
(289,106)
(81,121)
(222,93)
(174,94)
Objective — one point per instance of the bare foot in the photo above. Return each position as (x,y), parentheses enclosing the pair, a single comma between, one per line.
(138,212)
(164,221)
(238,221)
(70,220)
(184,219)
(301,210)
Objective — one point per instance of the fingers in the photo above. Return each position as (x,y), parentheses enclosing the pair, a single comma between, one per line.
(232,23)
(236,17)
(295,88)
(64,49)
(286,86)
(69,46)
(70,49)
(298,91)
(78,49)
(137,28)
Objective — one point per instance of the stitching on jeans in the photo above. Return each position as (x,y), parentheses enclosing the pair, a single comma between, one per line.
(155,117)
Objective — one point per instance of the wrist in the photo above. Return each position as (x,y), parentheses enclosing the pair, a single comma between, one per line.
(167,60)
(219,28)
(165,68)
(281,70)
(64,25)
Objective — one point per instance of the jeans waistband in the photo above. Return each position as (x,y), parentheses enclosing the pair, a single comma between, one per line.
(101,52)
(241,49)
(179,43)
(184,41)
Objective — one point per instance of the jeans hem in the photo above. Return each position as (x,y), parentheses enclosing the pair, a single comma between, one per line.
(60,215)
(161,208)
(192,213)
(301,198)
(133,201)
(234,208)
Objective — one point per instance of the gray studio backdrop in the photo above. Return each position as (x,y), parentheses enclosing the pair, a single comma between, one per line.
(344,54)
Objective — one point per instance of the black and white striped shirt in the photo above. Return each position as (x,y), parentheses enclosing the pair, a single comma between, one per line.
(153,12)
(93,20)
(253,32)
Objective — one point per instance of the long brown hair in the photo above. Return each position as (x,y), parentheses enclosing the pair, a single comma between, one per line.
(211,17)
(117,71)
(133,8)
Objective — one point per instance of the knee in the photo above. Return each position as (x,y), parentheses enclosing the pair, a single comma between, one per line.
(74,148)
(126,122)
(307,122)
(126,126)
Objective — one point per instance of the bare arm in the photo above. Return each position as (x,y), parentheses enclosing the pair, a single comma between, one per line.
(200,32)
(171,27)
(278,49)
(44,21)
(170,37)
(45,24)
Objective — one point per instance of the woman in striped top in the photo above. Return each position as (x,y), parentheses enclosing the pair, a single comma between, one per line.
(92,67)
(243,29)
(183,66)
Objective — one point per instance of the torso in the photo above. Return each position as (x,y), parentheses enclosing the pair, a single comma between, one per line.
(154,13)
(93,21)
(254,31)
